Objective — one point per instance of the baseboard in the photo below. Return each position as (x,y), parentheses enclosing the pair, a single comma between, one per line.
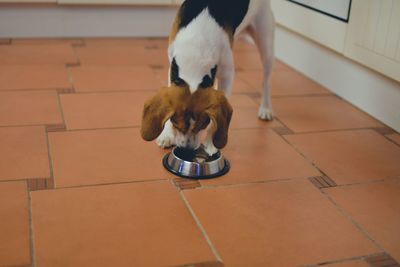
(47,20)
(370,91)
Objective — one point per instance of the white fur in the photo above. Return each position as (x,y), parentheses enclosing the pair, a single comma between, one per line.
(189,51)
(203,44)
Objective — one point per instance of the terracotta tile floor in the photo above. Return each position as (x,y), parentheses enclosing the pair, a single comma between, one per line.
(319,185)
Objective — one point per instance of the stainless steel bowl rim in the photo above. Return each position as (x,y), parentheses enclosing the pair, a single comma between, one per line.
(222,162)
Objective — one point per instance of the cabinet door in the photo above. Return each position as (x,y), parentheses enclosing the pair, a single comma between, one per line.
(117,2)
(374,35)
(319,27)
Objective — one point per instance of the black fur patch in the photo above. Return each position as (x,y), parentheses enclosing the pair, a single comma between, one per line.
(178,81)
(207,80)
(175,79)
(227,13)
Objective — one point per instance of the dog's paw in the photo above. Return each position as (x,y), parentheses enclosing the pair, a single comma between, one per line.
(166,139)
(210,149)
(265,114)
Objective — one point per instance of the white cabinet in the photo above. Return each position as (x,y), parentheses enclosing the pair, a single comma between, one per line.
(318,27)
(374,35)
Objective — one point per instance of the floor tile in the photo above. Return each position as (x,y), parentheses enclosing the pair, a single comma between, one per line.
(23,153)
(245,114)
(14,225)
(33,77)
(241,86)
(284,83)
(104,156)
(350,156)
(140,224)
(261,155)
(254,80)
(376,207)
(34,54)
(320,113)
(103,110)
(123,55)
(247,60)
(394,137)
(242,45)
(29,108)
(113,78)
(242,101)
(162,75)
(276,224)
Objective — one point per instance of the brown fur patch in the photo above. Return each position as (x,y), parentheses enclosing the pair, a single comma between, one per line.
(168,102)
(212,104)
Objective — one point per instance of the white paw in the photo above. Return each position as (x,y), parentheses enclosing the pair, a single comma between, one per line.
(166,139)
(210,149)
(265,114)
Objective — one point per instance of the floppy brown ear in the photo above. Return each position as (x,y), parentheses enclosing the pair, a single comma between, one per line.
(220,113)
(159,109)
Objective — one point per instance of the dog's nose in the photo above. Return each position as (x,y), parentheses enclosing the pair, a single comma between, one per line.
(193,144)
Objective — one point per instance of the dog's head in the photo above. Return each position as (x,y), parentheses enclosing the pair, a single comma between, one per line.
(189,114)
(211,106)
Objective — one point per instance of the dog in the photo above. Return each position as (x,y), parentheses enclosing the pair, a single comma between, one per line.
(200,53)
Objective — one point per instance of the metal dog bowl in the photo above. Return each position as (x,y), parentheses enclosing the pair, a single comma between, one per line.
(195,164)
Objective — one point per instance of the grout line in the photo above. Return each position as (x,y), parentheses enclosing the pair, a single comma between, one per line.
(108,184)
(336,130)
(356,258)
(106,128)
(23,179)
(17,90)
(246,184)
(70,76)
(367,182)
(31,235)
(75,52)
(114,91)
(50,159)
(74,130)
(60,108)
(201,228)
(391,140)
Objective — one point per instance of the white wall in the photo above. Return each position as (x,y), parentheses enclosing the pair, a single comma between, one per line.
(84,21)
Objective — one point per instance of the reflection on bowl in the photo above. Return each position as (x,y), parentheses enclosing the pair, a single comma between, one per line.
(196,164)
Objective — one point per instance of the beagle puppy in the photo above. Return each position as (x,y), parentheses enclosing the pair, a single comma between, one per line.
(200,53)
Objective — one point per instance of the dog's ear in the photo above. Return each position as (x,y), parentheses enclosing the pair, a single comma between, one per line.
(215,105)
(160,108)
(220,114)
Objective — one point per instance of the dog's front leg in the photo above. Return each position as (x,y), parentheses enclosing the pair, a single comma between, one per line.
(226,72)
(208,144)
(167,136)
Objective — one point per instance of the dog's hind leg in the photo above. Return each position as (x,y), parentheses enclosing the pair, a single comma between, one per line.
(262,31)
